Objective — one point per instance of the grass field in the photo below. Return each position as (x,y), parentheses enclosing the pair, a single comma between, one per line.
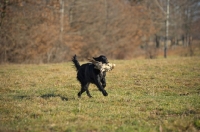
(143,95)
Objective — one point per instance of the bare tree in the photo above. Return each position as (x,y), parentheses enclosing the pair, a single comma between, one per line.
(43,31)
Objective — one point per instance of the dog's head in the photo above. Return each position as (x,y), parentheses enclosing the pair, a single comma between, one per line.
(102,63)
(101,58)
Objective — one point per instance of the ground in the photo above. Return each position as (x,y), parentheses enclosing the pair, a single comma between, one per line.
(143,95)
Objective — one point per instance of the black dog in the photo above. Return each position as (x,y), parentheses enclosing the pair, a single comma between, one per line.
(87,74)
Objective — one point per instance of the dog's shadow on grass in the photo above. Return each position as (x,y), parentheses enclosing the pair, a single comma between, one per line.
(47,96)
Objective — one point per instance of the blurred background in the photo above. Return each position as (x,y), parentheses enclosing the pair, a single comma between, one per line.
(52,31)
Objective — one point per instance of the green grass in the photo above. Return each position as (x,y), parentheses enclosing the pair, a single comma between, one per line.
(144,95)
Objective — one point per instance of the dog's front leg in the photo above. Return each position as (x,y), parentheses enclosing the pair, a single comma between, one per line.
(100,87)
(103,80)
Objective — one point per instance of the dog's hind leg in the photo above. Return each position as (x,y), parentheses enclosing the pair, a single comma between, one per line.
(82,90)
(84,87)
(87,91)
(79,93)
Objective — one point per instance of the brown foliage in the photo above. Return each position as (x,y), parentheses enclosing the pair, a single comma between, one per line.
(43,31)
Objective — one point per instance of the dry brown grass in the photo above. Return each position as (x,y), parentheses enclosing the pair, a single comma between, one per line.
(144,95)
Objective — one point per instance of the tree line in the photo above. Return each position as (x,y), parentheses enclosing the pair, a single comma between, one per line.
(49,31)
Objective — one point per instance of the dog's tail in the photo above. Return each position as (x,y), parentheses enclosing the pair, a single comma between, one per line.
(76,63)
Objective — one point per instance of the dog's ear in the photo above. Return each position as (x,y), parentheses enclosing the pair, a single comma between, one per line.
(96,58)
(101,58)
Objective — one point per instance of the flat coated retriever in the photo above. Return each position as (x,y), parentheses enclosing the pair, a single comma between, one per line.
(87,73)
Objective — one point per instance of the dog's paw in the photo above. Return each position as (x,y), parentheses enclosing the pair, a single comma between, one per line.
(105,93)
(79,95)
(90,96)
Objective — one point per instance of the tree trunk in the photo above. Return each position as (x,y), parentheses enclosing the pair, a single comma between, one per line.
(61,20)
(167,30)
